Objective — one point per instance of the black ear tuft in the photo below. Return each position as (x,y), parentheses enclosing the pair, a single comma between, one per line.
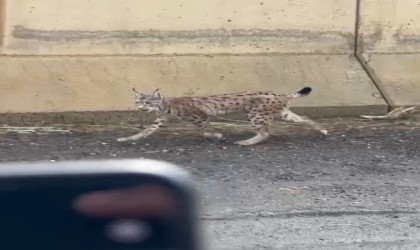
(305,91)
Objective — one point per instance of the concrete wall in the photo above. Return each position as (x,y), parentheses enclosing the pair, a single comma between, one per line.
(85,55)
(389,26)
(68,27)
(2,21)
(104,83)
(389,46)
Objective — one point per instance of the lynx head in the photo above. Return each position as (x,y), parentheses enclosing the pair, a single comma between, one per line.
(149,103)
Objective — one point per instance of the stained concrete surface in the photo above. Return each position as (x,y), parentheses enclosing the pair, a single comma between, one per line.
(390,26)
(80,27)
(397,76)
(357,188)
(84,84)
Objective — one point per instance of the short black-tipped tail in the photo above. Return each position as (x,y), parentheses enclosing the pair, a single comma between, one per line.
(303,92)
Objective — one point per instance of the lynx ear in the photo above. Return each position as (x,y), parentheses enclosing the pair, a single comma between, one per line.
(138,94)
(157,94)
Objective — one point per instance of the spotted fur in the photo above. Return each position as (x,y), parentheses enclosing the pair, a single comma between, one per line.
(260,107)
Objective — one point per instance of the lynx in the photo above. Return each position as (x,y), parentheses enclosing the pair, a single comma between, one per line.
(260,107)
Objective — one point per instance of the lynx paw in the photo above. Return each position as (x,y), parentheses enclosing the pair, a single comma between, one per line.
(218,135)
(244,143)
(213,135)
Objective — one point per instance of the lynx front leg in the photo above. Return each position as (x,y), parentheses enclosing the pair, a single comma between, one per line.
(202,125)
(262,124)
(213,135)
(146,132)
(288,115)
(262,134)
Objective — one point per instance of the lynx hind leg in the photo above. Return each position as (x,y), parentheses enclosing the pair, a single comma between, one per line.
(288,115)
(146,132)
(261,124)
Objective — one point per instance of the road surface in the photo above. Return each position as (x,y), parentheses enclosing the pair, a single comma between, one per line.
(357,188)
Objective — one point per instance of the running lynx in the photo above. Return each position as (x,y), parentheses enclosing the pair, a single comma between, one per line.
(260,107)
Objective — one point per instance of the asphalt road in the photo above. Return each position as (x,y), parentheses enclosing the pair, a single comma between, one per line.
(357,188)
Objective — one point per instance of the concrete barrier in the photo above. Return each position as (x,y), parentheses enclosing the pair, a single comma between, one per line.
(110,27)
(390,26)
(70,56)
(389,46)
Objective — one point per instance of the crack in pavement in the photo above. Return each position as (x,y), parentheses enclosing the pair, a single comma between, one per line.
(247,215)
